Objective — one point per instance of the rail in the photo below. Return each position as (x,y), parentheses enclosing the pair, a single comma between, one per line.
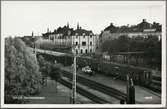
(98,86)
(84,92)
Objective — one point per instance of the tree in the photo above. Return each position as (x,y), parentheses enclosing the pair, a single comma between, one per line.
(137,44)
(153,51)
(55,73)
(45,68)
(22,76)
(123,43)
(28,40)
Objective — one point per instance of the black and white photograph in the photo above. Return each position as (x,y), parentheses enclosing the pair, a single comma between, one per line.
(97,54)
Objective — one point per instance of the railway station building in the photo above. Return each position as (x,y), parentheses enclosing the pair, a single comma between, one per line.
(84,41)
(79,40)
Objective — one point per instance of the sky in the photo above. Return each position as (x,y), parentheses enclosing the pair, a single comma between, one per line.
(19,18)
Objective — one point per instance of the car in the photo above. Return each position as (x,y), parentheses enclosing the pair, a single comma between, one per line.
(87,70)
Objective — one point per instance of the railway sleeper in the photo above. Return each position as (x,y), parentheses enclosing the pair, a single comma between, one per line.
(84,92)
(97,86)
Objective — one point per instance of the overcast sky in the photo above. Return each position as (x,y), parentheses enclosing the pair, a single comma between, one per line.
(20,18)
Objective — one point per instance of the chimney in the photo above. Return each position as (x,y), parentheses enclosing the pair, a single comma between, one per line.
(144,20)
(67,24)
(78,25)
(32,33)
(47,30)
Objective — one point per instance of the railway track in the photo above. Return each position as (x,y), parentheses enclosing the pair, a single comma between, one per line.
(84,92)
(97,86)
(155,84)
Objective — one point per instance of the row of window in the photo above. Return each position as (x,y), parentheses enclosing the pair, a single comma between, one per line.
(83,36)
(81,51)
(83,43)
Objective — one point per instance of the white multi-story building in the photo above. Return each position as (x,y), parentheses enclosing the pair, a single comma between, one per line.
(60,37)
(84,41)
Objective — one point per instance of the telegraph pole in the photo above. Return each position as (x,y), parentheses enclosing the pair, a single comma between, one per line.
(74,82)
(130,91)
(74,79)
(130,85)
(34,42)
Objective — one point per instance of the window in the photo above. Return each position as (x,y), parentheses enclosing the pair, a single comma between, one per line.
(90,43)
(90,36)
(81,51)
(84,36)
(76,36)
(86,51)
(83,43)
(90,50)
(76,51)
(76,43)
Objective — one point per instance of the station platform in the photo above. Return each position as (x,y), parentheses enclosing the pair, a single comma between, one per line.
(142,95)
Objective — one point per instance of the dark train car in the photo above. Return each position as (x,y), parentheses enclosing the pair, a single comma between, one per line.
(140,76)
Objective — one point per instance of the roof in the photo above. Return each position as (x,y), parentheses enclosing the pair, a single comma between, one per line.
(81,32)
(134,28)
(126,53)
(66,31)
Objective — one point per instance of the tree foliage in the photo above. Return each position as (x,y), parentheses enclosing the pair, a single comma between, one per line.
(55,72)
(151,46)
(121,44)
(22,77)
(29,40)
(45,66)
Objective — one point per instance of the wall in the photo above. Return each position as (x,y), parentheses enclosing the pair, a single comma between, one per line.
(90,48)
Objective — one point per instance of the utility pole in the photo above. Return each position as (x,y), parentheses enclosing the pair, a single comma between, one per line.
(130,91)
(130,85)
(74,79)
(34,42)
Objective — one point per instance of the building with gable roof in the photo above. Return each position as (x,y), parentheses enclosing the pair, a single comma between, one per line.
(79,40)
(143,29)
(84,41)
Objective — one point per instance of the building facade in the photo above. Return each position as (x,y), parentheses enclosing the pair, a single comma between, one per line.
(61,37)
(79,40)
(84,41)
(109,36)
(61,40)
(143,29)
